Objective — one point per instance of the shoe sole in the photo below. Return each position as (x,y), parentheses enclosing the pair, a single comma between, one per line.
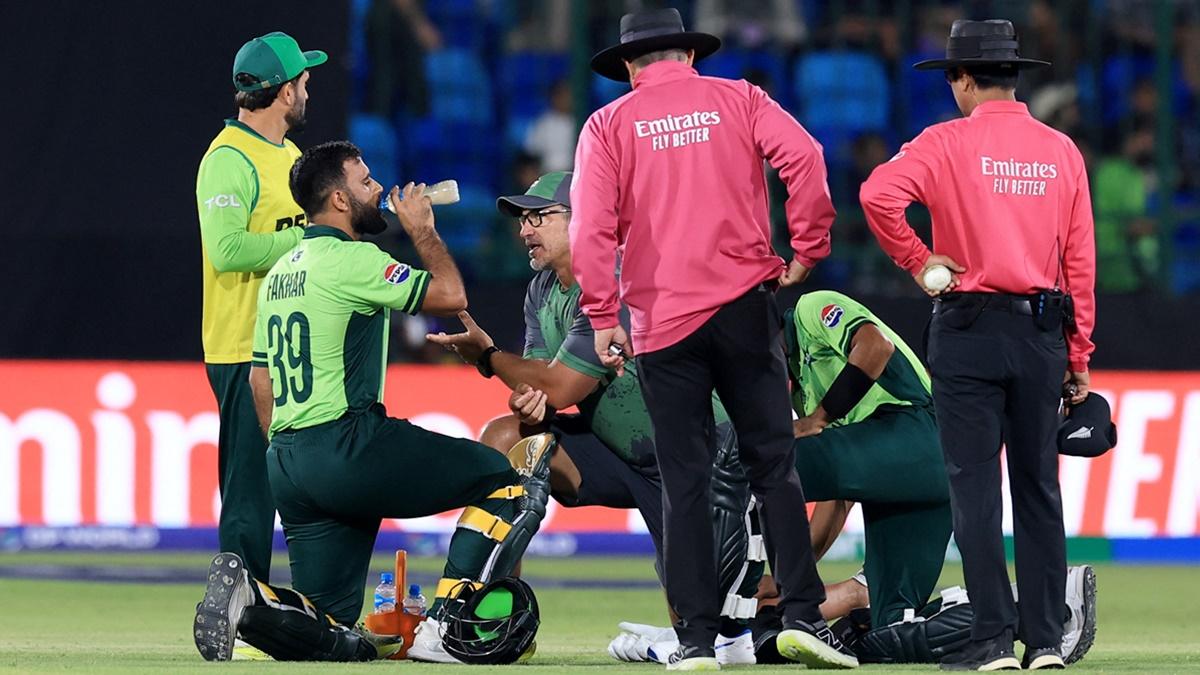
(708,663)
(1087,636)
(245,652)
(225,596)
(431,657)
(1046,662)
(419,653)
(1006,663)
(801,647)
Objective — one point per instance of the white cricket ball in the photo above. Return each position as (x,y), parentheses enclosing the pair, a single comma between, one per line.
(937,277)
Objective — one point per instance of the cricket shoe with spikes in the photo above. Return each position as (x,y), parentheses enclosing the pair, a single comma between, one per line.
(1079,632)
(226,596)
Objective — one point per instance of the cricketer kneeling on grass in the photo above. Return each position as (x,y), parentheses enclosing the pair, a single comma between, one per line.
(336,459)
(866,433)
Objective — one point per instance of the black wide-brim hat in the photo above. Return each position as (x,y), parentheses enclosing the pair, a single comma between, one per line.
(981,43)
(650,31)
(1088,430)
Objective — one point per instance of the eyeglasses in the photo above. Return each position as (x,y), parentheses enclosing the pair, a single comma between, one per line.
(537,218)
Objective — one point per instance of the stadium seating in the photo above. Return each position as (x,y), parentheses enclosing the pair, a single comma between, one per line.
(377,138)
(525,80)
(842,94)
(460,87)
(737,64)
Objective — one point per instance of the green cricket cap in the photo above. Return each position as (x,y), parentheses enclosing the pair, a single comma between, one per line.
(271,60)
(552,189)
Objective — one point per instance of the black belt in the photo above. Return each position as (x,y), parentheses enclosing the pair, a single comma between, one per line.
(1002,302)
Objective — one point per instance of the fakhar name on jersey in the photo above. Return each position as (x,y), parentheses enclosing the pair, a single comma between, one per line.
(288,285)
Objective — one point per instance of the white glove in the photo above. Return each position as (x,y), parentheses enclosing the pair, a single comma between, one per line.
(641,642)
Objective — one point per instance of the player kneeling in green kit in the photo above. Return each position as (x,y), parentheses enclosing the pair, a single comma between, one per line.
(336,459)
(866,433)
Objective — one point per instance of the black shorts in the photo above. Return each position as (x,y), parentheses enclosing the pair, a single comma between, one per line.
(606,480)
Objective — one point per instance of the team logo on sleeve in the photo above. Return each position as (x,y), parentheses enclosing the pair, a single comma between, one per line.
(222,201)
(831,315)
(396,273)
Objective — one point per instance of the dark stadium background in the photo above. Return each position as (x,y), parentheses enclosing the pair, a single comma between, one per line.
(109,107)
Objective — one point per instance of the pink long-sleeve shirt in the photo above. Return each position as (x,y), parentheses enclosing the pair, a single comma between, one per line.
(671,176)
(1009,198)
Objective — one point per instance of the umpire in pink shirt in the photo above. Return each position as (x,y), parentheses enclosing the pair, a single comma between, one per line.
(670,179)
(1012,217)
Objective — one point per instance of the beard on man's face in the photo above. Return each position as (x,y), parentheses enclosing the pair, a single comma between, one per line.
(296,118)
(365,218)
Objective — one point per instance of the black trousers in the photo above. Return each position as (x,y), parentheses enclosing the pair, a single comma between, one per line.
(997,378)
(739,352)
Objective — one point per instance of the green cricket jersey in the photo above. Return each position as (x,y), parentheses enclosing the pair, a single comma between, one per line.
(555,328)
(818,345)
(322,325)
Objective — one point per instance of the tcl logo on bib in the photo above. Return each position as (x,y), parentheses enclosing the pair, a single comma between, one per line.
(222,201)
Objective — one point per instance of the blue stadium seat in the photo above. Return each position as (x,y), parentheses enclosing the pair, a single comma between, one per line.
(463,24)
(735,63)
(843,90)
(1185,252)
(360,62)
(465,152)
(926,95)
(842,94)
(526,78)
(1111,90)
(460,87)
(380,145)
(525,82)
(463,225)
(605,91)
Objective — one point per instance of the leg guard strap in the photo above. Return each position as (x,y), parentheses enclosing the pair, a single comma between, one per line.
(491,526)
(508,552)
(492,535)
(509,492)
(447,586)
(737,607)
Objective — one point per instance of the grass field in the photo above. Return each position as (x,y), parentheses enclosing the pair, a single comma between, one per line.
(1146,616)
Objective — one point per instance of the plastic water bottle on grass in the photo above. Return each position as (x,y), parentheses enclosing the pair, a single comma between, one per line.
(414,602)
(385,593)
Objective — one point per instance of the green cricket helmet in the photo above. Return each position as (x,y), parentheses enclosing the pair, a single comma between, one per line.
(494,624)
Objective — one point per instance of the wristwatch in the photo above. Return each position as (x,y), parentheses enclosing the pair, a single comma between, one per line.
(484,363)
